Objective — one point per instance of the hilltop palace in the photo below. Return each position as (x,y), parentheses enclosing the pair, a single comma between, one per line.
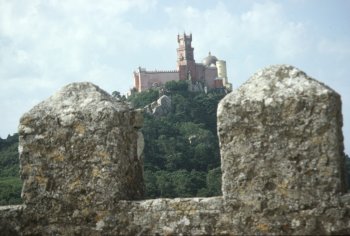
(209,75)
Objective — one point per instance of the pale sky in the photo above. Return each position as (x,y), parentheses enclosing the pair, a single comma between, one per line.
(46,44)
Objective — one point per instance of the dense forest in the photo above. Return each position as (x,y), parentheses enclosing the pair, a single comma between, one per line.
(10,183)
(181,154)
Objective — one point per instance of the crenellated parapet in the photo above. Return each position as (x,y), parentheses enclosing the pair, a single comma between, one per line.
(281,152)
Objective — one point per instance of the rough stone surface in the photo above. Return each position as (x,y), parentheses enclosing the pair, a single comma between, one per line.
(11,220)
(78,152)
(159,108)
(281,138)
(187,216)
(282,162)
(281,147)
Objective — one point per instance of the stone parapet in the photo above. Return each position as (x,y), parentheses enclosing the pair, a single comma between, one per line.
(281,154)
(188,216)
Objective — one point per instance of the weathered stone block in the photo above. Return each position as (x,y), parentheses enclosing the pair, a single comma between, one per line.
(79,154)
(281,142)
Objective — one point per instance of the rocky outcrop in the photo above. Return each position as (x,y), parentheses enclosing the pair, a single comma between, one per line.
(159,108)
(282,163)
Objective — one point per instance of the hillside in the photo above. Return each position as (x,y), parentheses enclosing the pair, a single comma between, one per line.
(10,183)
(182,156)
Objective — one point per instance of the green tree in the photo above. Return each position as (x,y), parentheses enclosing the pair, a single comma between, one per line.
(140,100)
(10,182)
(204,108)
(176,86)
(181,147)
(118,96)
(10,190)
(187,183)
(165,184)
(150,178)
(180,108)
(214,182)
(203,145)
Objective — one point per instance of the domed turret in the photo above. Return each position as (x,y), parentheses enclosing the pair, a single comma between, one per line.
(210,60)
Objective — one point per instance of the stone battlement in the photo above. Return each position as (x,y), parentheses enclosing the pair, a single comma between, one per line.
(281,156)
